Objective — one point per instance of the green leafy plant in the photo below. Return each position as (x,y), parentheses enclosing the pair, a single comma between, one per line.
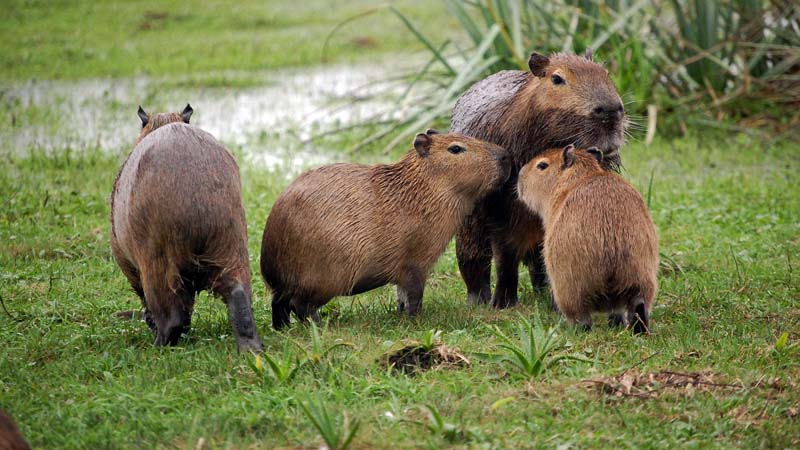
(279,370)
(533,350)
(333,426)
(319,351)
(438,425)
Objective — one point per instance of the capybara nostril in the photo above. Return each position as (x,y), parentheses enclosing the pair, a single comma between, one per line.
(609,111)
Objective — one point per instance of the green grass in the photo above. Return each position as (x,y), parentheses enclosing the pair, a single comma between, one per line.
(79,39)
(726,209)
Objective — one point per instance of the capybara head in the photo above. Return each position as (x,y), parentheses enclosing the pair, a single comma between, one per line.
(579,102)
(538,179)
(469,166)
(151,122)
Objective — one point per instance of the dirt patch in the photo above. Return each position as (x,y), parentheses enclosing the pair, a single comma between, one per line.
(415,358)
(653,384)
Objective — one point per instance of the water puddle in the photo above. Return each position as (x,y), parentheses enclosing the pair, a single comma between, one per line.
(268,118)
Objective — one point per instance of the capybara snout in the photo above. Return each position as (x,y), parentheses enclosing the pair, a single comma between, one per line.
(178,227)
(344,229)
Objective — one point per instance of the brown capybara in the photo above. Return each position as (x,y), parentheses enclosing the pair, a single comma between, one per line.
(10,437)
(178,227)
(564,99)
(600,245)
(344,229)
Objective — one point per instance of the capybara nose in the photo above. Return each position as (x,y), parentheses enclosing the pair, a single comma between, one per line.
(608,111)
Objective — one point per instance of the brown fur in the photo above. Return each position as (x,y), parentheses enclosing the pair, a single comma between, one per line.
(344,229)
(178,227)
(526,112)
(10,437)
(600,246)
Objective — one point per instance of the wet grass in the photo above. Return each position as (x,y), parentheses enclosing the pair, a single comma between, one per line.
(726,209)
(80,39)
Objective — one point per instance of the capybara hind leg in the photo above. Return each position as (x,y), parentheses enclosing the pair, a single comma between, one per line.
(534,259)
(507,264)
(410,290)
(638,316)
(237,295)
(474,253)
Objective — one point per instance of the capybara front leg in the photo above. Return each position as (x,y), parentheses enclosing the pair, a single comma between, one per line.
(474,253)
(281,307)
(240,314)
(410,291)
(507,263)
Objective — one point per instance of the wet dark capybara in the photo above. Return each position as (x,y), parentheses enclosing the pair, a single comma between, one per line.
(345,229)
(178,227)
(564,99)
(10,437)
(600,244)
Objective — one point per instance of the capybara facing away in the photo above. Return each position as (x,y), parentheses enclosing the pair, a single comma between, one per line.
(10,437)
(344,229)
(178,227)
(564,99)
(600,245)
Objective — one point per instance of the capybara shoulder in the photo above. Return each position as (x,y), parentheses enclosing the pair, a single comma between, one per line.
(600,247)
(348,228)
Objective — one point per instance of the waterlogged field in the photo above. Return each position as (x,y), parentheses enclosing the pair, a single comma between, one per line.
(720,369)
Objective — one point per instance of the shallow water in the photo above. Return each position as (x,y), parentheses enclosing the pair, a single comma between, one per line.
(268,120)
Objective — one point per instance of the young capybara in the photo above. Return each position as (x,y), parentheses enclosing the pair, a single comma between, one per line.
(344,229)
(10,437)
(600,245)
(178,227)
(564,99)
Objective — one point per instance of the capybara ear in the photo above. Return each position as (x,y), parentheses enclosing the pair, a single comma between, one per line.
(538,63)
(422,144)
(569,156)
(588,55)
(431,132)
(187,113)
(143,116)
(598,155)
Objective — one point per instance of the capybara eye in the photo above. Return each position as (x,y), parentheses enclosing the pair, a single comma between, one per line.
(557,79)
(542,165)
(456,149)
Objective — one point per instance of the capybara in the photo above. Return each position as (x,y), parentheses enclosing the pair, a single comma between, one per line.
(600,245)
(10,437)
(564,99)
(344,229)
(178,227)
